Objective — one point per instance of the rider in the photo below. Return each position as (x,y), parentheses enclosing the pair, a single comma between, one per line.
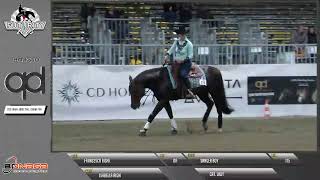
(182,52)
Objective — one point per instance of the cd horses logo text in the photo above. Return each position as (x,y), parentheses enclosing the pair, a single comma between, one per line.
(25,20)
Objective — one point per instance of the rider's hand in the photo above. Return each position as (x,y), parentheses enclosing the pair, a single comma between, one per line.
(166,59)
(187,60)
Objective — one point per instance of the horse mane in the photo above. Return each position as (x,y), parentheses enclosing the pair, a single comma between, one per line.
(149,74)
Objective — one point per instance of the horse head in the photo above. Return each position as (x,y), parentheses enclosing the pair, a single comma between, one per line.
(137,91)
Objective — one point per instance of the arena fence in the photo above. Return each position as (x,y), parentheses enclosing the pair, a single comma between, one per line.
(119,27)
(153,54)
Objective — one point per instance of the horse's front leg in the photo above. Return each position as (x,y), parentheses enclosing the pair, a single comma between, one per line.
(151,117)
(174,127)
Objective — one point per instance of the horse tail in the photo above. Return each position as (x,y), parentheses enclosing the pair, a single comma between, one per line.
(226,109)
(219,93)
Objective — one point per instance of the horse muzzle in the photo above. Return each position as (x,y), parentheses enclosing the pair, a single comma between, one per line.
(135,106)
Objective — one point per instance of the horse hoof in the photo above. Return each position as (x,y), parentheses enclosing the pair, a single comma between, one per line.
(174,132)
(205,126)
(220,130)
(142,133)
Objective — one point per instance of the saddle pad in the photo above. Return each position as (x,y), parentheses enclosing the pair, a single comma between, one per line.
(198,81)
(194,81)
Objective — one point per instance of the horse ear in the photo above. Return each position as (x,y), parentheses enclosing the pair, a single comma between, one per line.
(130,78)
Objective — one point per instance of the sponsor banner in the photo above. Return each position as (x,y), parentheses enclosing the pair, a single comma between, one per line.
(101,92)
(282,90)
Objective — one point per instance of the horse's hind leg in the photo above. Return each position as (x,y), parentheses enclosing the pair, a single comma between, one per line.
(219,118)
(174,128)
(151,117)
(206,99)
(219,111)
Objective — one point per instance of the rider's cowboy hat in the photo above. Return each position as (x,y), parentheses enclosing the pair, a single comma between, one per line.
(181,30)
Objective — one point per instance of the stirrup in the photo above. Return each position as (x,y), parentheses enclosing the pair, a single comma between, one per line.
(190,94)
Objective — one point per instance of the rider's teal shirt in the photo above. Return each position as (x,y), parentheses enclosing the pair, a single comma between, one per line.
(180,51)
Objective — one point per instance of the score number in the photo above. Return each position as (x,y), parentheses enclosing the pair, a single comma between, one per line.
(287,161)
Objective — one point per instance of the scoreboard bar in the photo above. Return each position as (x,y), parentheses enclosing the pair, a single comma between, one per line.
(284,158)
(116,159)
(173,159)
(241,159)
(215,159)
(238,173)
(125,173)
(184,159)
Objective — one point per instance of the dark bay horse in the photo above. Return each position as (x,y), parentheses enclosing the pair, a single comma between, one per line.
(157,80)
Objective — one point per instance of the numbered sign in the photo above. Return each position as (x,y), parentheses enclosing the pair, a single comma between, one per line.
(203,82)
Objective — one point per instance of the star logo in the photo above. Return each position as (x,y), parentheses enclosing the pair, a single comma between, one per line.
(70,93)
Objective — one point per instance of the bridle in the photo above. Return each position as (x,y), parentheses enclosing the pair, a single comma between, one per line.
(147,94)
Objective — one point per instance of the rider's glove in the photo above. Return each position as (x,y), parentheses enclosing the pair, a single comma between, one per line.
(166,57)
(187,60)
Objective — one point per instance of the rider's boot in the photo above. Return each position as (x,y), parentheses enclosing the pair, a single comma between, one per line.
(190,95)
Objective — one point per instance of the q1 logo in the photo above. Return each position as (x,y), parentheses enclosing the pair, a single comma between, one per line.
(261,84)
(24,87)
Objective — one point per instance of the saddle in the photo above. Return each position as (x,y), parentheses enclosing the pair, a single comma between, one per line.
(179,88)
(195,71)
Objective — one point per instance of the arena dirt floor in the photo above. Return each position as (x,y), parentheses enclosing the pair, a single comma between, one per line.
(275,134)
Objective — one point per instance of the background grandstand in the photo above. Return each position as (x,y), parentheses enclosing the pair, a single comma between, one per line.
(223,33)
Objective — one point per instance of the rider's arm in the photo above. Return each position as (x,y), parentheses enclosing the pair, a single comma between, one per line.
(171,50)
(190,51)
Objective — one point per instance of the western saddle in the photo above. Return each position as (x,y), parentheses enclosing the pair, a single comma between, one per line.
(181,89)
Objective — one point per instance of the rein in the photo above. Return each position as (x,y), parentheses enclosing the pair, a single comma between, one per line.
(148,93)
